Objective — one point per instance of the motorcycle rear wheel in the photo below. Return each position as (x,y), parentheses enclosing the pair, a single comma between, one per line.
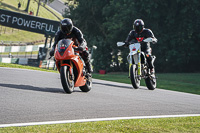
(66,80)
(134,76)
(151,82)
(88,85)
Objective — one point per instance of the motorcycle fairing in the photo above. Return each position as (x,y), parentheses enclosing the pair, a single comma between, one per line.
(67,55)
(63,45)
(80,79)
(134,48)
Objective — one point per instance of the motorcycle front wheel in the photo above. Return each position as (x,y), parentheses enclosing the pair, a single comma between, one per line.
(151,81)
(66,79)
(88,85)
(134,76)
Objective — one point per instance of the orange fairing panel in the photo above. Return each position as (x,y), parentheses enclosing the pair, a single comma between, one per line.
(69,53)
(79,64)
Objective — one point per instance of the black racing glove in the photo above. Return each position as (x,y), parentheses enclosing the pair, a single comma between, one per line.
(126,44)
(78,48)
(51,53)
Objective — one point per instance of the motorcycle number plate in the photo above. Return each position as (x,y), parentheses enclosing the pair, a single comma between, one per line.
(134,48)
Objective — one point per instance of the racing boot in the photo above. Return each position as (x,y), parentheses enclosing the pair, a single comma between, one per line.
(85,56)
(88,66)
(150,63)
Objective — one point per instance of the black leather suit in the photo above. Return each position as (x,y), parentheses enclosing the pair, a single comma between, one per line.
(77,36)
(145,47)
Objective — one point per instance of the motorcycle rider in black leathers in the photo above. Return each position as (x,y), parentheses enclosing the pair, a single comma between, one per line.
(138,35)
(67,30)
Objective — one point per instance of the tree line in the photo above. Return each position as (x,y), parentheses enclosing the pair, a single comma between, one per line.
(175,23)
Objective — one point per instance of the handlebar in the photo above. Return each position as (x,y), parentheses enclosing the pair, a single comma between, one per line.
(77,48)
(147,40)
(74,46)
(153,40)
(120,44)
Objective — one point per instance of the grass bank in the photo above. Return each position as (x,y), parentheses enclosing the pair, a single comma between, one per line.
(172,125)
(12,5)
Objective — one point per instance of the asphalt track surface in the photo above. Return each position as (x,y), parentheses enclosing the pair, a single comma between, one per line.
(58,6)
(36,96)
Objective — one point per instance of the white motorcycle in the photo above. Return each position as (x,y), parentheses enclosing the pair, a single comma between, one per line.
(138,66)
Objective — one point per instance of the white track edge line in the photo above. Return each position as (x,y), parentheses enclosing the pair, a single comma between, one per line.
(94,120)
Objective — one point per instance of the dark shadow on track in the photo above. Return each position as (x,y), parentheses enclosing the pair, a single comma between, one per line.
(32,88)
(113,85)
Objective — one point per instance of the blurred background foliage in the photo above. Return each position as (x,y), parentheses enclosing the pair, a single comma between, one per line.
(175,23)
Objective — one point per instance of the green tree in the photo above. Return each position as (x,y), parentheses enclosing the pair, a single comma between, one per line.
(27,7)
(88,17)
(175,26)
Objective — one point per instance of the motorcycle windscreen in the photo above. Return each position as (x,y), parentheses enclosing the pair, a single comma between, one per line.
(63,45)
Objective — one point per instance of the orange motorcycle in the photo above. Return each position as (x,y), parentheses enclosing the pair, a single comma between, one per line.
(73,72)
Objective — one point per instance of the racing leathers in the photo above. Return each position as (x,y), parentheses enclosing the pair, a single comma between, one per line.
(77,36)
(145,47)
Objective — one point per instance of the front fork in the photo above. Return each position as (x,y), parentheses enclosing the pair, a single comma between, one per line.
(138,64)
(70,65)
(129,74)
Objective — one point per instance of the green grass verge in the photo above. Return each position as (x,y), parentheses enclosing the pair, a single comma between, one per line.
(26,67)
(184,82)
(172,125)
(19,53)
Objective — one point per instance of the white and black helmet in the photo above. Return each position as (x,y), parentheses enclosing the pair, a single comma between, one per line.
(138,25)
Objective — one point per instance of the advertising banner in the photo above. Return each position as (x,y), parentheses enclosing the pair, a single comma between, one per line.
(28,22)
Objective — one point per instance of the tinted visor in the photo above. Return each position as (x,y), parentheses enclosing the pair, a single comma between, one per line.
(66,29)
(138,28)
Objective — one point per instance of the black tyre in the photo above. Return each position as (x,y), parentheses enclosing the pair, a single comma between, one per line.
(88,85)
(134,77)
(66,79)
(151,82)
